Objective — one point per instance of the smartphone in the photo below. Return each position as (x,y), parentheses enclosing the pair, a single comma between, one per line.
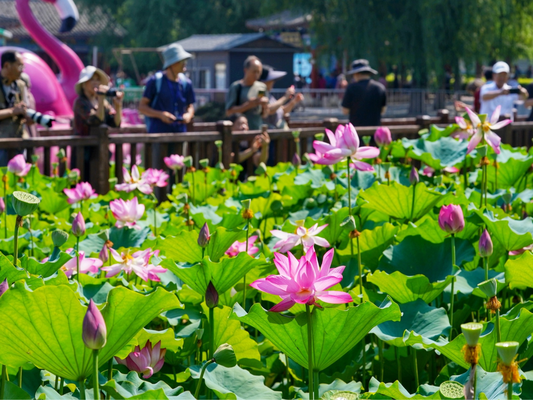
(514,90)
(261,93)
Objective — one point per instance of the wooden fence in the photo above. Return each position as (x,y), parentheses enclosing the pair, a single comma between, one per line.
(201,143)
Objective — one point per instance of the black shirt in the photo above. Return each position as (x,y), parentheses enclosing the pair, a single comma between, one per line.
(365,99)
(530,96)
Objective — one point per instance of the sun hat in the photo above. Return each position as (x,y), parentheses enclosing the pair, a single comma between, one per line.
(500,66)
(86,75)
(361,65)
(269,74)
(174,53)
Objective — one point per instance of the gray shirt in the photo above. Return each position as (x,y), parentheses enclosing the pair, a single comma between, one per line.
(235,98)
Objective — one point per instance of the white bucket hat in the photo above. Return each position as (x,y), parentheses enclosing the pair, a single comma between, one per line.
(86,75)
(174,53)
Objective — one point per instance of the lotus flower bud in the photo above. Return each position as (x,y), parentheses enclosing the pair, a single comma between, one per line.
(94,328)
(296,161)
(78,225)
(204,236)
(507,351)
(383,136)
(187,161)
(34,158)
(349,223)
(61,154)
(489,288)
(211,296)
(451,219)
(413,176)
(104,254)
(366,140)
(204,163)
(24,203)
(225,356)
(507,197)
(4,287)
(309,203)
(471,333)
(485,244)
(261,169)
(246,204)
(59,237)
(320,136)
(2,205)
(218,143)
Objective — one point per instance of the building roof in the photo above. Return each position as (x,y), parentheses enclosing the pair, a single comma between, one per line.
(224,42)
(90,23)
(287,19)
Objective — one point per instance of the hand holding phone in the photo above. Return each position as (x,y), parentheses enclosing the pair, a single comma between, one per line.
(514,91)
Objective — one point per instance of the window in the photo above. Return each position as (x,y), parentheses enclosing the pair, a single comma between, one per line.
(220,76)
(204,79)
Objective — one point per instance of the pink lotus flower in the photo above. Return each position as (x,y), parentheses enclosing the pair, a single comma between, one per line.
(127,160)
(155,177)
(94,331)
(127,213)
(466,131)
(133,181)
(2,205)
(18,166)
(429,172)
(451,219)
(138,262)
(174,162)
(147,361)
(303,281)
(383,136)
(521,251)
(484,130)
(240,247)
(306,237)
(344,143)
(82,191)
(87,265)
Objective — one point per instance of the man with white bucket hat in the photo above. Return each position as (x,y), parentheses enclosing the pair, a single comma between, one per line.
(168,99)
(499,93)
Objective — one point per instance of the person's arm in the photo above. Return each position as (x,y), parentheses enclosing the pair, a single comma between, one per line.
(145,109)
(265,145)
(523,95)
(18,109)
(117,103)
(252,103)
(246,154)
(345,110)
(492,94)
(273,107)
(287,108)
(189,114)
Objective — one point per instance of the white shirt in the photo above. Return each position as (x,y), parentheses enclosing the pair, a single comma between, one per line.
(506,101)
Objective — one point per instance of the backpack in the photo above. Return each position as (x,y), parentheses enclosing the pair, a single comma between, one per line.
(182,79)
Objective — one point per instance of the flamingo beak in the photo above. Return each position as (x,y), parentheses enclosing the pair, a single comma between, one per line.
(68,12)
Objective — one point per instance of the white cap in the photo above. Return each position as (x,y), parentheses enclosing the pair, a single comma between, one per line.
(87,73)
(500,66)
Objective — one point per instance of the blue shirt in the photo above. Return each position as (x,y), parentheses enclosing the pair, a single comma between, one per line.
(174,97)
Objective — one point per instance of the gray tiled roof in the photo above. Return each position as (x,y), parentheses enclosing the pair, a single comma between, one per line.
(287,19)
(89,25)
(224,42)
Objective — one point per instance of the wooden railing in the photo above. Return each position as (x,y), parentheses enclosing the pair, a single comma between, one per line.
(201,144)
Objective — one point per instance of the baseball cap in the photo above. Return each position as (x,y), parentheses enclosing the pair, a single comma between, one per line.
(500,66)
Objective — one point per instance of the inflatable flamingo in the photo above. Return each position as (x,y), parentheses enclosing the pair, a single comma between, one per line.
(51,96)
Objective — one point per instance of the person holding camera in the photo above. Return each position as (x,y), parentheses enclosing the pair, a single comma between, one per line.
(168,98)
(248,96)
(91,108)
(499,93)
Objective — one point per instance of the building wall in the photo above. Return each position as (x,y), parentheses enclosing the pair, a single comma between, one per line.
(205,63)
(279,59)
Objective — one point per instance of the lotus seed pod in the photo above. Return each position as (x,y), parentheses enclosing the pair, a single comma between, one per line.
(24,203)
(471,333)
(225,356)
(246,204)
(507,351)
(320,136)
(295,134)
(349,223)
(261,169)
(187,161)
(452,390)
(61,154)
(218,143)
(489,288)
(59,237)
(204,162)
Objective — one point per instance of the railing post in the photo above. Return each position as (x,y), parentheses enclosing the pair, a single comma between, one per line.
(444,115)
(224,127)
(287,118)
(99,163)
(330,123)
(423,121)
(506,133)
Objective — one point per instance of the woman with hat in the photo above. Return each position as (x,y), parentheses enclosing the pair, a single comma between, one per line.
(278,108)
(91,107)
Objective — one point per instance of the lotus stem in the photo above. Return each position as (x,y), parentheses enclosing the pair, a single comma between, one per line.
(61,386)
(474,367)
(197,391)
(5,223)
(486,262)
(482,186)
(96,387)
(452,294)
(78,258)
(360,265)
(244,280)
(3,382)
(205,183)
(398,363)
(510,390)
(485,189)
(110,369)
(381,361)
(496,172)
(155,214)
(498,333)
(82,389)
(176,177)
(20,377)
(413,205)
(212,331)
(310,351)
(415,365)
(465,174)
(349,184)
(192,189)
(16,240)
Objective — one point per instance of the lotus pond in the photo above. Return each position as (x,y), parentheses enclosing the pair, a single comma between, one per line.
(390,272)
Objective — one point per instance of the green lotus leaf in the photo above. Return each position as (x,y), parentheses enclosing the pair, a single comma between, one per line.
(335,331)
(235,383)
(394,390)
(131,386)
(397,200)
(44,327)
(489,384)
(45,269)
(510,170)
(445,152)
(224,275)
(9,271)
(512,234)
(518,271)
(405,289)
(417,318)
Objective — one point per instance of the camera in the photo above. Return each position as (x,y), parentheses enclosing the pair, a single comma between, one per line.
(110,93)
(39,118)
(514,91)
